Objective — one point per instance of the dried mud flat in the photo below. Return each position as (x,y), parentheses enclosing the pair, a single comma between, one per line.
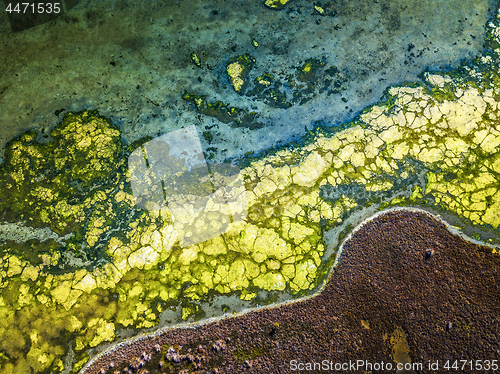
(405,285)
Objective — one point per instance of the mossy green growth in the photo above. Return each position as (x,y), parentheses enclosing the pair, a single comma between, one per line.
(208,136)
(192,311)
(86,148)
(307,76)
(65,183)
(270,91)
(311,78)
(440,94)
(262,82)
(300,86)
(233,116)
(310,69)
(245,354)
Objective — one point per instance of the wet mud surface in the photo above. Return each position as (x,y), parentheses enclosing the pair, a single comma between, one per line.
(405,289)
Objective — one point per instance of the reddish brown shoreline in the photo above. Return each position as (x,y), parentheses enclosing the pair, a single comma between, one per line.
(403,269)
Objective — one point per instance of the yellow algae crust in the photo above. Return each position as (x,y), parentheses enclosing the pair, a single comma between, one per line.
(275,4)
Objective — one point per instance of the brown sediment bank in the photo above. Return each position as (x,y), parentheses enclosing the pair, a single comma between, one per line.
(405,283)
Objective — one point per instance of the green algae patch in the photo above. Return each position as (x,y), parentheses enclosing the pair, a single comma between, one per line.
(86,147)
(64,184)
(233,116)
(270,91)
(298,87)
(245,354)
(311,79)
(310,69)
